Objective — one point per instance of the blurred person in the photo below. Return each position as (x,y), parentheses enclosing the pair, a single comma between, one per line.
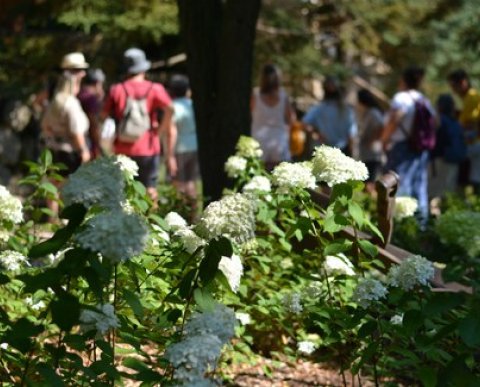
(91,97)
(450,149)
(126,102)
(410,165)
(469,116)
(332,122)
(272,116)
(370,126)
(184,167)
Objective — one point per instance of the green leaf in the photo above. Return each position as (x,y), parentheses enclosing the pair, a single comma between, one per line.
(356,213)
(217,248)
(337,247)
(428,376)
(134,302)
(339,190)
(412,320)
(20,332)
(49,375)
(368,247)
(469,329)
(204,300)
(4,279)
(65,311)
(185,285)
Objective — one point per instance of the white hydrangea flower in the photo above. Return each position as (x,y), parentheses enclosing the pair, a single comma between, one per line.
(333,167)
(190,240)
(232,268)
(397,319)
(292,301)
(415,270)
(4,346)
(220,322)
(405,206)
(258,184)
(368,290)
(244,318)
(115,235)
(100,181)
(248,147)
(338,265)
(194,356)
(160,233)
(175,221)
(306,347)
(286,263)
(460,228)
(235,165)
(314,289)
(13,260)
(232,216)
(34,306)
(288,176)
(128,166)
(101,320)
(4,236)
(11,209)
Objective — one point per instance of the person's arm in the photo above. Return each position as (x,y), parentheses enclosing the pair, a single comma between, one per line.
(390,126)
(171,139)
(310,128)
(77,134)
(290,115)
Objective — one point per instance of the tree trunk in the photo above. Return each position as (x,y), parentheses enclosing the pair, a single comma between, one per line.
(219,36)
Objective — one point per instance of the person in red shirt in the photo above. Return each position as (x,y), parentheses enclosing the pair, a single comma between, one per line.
(146,150)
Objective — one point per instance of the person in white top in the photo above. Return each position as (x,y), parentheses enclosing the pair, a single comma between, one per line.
(272,116)
(411,166)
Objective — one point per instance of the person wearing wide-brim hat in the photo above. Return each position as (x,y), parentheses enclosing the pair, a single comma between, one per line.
(144,149)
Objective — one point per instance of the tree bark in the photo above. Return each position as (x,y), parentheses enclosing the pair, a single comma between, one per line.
(219,37)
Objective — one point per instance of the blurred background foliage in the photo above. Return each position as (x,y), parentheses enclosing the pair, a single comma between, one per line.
(374,39)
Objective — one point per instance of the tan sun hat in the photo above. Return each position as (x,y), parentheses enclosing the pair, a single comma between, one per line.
(74,61)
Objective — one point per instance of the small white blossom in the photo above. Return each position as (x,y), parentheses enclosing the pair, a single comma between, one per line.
(4,236)
(34,306)
(244,318)
(286,263)
(128,166)
(415,270)
(115,235)
(405,206)
(292,301)
(102,320)
(232,268)
(397,319)
(11,209)
(314,289)
(175,221)
(4,346)
(13,260)
(338,265)
(235,165)
(259,184)
(232,216)
(333,167)
(248,147)
(368,290)
(289,176)
(190,240)
(100,181)
(306,347)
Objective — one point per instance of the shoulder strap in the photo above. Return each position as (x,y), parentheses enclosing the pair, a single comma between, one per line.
(124,88)
(148,90)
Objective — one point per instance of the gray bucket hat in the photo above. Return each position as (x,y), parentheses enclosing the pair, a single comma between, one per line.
(135,61)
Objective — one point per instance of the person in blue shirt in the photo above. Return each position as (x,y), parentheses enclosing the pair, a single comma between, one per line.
(332,122)
(184,167)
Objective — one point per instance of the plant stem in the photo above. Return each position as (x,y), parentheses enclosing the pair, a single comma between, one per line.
(115,310)
(25,370)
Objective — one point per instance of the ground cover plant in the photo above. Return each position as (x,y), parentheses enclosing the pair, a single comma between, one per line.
(119,292)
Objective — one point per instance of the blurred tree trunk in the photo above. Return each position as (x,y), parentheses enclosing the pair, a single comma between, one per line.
(219,37)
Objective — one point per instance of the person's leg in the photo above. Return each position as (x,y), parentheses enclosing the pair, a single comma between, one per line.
(148,167)
(420,183)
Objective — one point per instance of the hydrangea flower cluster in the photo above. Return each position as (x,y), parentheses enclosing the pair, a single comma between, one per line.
(338,265)
(306,347)
(233,216)
(11,209)
(175,221)
(333,167)
(232,268)
(115,235)
(101,320)
(12,260)
(258,184)
(244,318)
(289,176)
(368,290)
(190,240)
(413,271)
(460,229)
(292,301)
(198,352)
(128,166)
(405,206)
(248,147)
(397,319)
(235,165)
(100,182)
